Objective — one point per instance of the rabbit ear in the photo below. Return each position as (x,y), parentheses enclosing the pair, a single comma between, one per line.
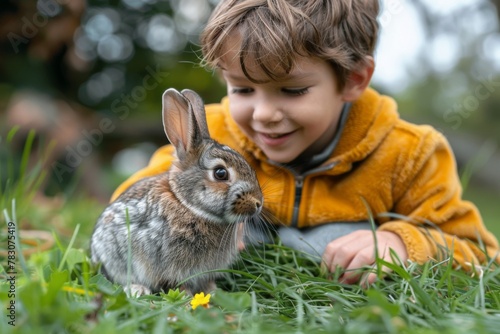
(198,109)
(179,122)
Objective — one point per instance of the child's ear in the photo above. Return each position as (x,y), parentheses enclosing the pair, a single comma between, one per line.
(358,80)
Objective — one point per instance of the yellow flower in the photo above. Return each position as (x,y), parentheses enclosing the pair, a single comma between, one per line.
(200,300)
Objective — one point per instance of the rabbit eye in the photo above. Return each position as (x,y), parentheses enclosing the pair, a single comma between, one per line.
(221,174)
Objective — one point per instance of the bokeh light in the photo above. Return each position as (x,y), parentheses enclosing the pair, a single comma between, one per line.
(102,84)
(49,8)
(114,48)
(102,23)
(161,35)
(190,15)
(138,4)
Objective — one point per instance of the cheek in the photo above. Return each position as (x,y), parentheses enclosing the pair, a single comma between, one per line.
(214,193)
(216,189)
(310,119)
(315,126)
(241,113)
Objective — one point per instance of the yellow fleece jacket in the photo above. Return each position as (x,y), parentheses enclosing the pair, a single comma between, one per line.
(402,174)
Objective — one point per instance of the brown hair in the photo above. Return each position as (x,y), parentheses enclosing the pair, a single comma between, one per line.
(274,32)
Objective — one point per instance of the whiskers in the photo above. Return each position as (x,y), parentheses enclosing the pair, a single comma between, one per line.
(259,231)
(228,241)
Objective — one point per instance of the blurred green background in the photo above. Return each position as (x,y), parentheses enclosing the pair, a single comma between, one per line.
(89,75)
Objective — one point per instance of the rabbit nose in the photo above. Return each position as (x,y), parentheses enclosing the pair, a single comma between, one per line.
(247,205)
(258,206)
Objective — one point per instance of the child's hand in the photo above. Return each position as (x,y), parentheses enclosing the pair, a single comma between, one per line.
(240,243)
(357,250)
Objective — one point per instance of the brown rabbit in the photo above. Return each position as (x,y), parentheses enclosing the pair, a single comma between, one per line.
(185,221)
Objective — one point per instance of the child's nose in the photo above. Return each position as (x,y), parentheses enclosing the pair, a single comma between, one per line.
(267,112)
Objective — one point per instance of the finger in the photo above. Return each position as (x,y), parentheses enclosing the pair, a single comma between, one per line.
(340,251)
(355,268)
(371,277)
(331,249)
(368,279)
(342,255)
(328,254)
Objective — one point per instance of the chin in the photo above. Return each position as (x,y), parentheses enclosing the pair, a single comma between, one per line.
(279,158)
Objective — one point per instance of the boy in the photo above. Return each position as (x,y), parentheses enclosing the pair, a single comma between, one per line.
(329,151)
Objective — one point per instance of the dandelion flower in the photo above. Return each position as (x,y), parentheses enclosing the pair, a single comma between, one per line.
(200,300)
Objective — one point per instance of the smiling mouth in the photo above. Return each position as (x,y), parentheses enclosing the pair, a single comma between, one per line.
(276,135)
(275,139)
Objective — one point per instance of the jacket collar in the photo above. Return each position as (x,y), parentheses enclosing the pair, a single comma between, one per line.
(370,119)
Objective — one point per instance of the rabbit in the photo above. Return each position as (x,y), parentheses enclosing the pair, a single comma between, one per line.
(184,221)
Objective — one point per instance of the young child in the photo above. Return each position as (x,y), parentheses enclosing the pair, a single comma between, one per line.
(330,152)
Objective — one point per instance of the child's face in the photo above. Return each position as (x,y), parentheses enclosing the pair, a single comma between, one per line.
(291,118)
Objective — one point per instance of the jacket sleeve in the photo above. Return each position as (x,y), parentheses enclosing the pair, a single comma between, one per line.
(439,222)
(159,163)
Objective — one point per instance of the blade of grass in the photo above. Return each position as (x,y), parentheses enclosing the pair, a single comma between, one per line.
(26,155)
(70,246)
(424,298)
(486,151)
(12,132)
(371,219)
(10,162)
(137,319)
(480,297)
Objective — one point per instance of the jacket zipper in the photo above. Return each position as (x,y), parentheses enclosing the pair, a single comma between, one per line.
(299,185)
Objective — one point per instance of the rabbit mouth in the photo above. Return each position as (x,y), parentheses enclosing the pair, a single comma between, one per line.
(247,206)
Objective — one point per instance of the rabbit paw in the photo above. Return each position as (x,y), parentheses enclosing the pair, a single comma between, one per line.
(136,290)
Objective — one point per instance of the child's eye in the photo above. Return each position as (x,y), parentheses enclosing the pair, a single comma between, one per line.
(241,90)
(295,91)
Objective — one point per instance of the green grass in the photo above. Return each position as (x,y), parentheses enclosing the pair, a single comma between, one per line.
(272,289)
(486,199)
(487,202)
